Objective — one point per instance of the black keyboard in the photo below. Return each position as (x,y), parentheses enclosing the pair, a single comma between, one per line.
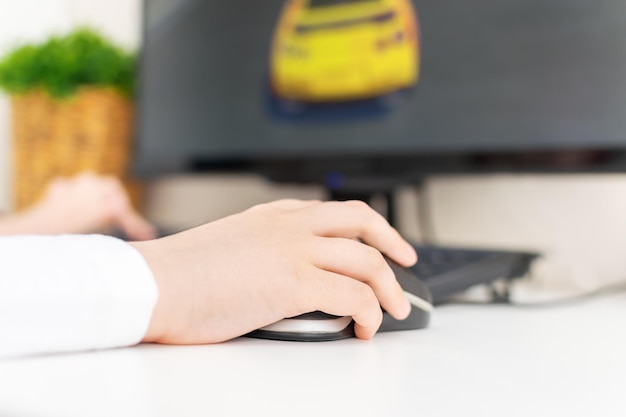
(449,271)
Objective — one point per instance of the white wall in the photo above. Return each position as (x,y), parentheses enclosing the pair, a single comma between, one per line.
(577,221)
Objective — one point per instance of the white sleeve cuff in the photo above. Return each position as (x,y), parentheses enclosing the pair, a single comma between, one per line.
(69,293)
(133,293)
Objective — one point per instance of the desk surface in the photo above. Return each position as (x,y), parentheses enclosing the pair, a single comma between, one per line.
(477,361)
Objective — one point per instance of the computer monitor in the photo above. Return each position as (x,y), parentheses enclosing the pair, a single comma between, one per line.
(374,93)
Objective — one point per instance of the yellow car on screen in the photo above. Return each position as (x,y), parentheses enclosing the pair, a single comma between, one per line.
(343,50)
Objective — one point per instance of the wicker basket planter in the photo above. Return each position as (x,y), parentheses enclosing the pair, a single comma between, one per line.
(90,131)
(72,110)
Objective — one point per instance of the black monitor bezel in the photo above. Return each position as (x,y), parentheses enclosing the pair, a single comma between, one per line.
(375,170)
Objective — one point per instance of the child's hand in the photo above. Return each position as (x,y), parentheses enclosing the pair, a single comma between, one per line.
(277,260)
(85,204)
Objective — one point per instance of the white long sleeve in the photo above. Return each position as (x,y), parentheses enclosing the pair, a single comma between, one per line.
(71,293)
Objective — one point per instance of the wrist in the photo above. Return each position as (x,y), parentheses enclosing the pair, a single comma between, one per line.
(157,327)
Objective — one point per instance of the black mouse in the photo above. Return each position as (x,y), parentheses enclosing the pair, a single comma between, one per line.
(319,326)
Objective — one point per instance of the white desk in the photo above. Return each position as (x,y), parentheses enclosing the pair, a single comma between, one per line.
(472,361)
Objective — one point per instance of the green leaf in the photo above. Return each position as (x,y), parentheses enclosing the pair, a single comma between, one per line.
(62,64)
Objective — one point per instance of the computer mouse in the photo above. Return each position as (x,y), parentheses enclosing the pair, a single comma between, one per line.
(320,326)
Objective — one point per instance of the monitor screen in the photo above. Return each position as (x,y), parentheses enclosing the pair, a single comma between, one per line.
(397,88)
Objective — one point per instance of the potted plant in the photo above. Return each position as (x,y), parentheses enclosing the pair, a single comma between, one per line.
(71,109)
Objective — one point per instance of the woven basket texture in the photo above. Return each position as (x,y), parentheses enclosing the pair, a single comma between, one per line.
(91,131)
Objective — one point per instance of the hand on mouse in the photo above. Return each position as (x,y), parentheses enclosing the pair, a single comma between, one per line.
(87,203)
(277,260)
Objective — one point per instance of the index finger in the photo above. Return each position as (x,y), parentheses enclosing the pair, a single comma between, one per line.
(355,219)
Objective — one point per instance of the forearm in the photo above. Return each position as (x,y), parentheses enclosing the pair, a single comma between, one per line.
(23,223)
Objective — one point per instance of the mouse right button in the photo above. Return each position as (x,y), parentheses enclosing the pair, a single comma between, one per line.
(410,283)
